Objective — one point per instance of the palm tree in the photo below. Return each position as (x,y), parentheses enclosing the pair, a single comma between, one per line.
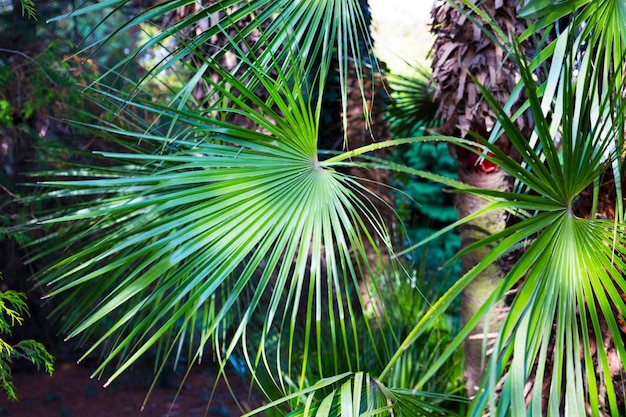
(563,121)
(464,58)
(206,234)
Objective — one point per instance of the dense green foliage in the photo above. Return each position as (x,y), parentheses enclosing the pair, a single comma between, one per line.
(423,206)
(426,206)
(218,227)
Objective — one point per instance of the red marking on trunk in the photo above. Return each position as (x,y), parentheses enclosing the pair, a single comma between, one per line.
(471,160)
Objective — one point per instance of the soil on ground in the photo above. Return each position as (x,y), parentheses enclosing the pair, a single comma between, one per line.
(70,392)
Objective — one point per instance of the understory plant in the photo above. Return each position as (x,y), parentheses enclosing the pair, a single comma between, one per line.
(13,309)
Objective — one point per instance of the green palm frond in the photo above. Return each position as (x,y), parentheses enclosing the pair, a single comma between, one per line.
(573,270)
(217,230)
(594,33)
(412,107)
(271,34)
(359,394)
(160,243)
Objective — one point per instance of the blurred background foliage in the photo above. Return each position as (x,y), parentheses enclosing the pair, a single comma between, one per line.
(423,206)
(42,83)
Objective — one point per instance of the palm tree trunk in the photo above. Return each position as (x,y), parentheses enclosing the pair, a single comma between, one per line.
(462,54)
(475,295)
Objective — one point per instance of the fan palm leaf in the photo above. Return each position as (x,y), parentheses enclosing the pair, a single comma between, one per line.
(413,107)
(221,201)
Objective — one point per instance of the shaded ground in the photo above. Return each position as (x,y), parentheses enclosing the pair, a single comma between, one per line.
(71,393)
